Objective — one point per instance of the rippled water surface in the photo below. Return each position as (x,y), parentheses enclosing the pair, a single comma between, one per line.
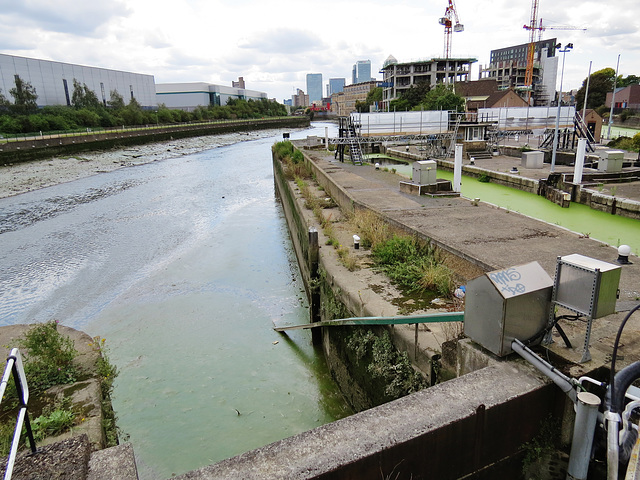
(183,266)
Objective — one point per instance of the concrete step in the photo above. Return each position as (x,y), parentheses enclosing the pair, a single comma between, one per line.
(115,463)
(72,459)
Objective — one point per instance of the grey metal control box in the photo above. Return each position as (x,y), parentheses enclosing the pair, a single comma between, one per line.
(425,172)
(587,285)
(506,304)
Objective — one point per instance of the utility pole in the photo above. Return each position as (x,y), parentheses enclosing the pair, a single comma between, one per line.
(613,99)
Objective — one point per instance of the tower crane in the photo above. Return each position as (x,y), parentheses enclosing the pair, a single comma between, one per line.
(532,27)
(528,76)
(541,28)
(451,23)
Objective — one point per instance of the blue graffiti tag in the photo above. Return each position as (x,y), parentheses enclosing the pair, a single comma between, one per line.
(507,280)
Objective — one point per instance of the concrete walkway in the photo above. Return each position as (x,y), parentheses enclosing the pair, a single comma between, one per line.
(494,238)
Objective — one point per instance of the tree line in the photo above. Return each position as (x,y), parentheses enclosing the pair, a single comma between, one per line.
(601,83)
(418,97)
(87,111)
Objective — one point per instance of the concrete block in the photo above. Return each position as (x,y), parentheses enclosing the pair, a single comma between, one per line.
(113,463)
(533,159)
(611,161)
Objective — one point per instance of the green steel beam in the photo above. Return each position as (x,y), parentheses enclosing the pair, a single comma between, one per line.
(439,317)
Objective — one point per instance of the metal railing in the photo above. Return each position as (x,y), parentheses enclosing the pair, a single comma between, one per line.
(15,367)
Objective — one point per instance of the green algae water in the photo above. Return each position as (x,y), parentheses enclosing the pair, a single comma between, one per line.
(611,229)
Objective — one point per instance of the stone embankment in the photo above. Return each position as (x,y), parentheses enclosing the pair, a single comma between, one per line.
(79,453)
(44,146)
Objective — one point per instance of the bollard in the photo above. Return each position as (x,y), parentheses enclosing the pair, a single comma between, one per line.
(356,242)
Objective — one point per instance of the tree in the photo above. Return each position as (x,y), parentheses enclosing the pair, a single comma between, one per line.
(5,104)
(600,83)
(442,97)
(116,101)
(362,107)
(629,80)
(374,95)
(24,97)
(83,96)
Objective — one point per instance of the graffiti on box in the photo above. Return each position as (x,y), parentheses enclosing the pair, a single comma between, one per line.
(508,281)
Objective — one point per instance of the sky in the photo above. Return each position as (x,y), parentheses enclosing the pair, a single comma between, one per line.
(273,44)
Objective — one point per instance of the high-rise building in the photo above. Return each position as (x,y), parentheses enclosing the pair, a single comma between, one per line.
(336,85)
(361,72)
(300,99)
(314,87)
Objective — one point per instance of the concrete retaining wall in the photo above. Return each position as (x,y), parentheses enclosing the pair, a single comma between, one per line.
(471,427)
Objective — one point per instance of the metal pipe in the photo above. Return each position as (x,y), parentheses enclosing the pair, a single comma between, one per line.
(583,432)
(613,421)
(560,379)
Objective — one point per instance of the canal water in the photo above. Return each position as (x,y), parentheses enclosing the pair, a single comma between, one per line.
(183,265)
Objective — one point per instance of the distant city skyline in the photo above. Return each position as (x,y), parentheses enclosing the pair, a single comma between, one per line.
(175,43)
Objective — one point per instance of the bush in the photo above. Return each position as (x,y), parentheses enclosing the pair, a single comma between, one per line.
(49,357)
(282,150)
(413,265)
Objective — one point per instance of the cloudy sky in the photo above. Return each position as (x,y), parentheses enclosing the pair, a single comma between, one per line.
(273,44)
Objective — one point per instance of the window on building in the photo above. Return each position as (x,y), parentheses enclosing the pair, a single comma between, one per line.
(474,133)
(66,91)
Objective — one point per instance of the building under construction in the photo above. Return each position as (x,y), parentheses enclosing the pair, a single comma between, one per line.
(508,66)
(399,77)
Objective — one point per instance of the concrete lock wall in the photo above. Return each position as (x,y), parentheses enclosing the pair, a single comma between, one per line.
(473,426)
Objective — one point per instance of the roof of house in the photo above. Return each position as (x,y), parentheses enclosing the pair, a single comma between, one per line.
(477,88)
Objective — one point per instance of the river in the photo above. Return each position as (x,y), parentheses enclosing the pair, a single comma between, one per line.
(182,265)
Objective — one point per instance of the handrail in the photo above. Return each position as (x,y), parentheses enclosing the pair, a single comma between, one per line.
(15,367)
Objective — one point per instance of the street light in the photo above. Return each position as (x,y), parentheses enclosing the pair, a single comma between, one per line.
(564,50)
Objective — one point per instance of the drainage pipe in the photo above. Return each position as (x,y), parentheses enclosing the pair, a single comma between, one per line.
(583,431)
(560,379)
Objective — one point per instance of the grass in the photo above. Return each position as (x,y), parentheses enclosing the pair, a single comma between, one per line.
(413,265)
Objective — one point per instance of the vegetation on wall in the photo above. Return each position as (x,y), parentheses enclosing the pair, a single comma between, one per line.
(413,265)
(49,360)
(86,111)
(388,370)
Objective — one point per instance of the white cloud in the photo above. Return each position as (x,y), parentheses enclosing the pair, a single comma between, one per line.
(274,44)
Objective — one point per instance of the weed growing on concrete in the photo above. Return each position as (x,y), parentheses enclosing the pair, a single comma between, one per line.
(541,446)
(108,373)
(49,357)
(371,228)
(484,178)
(54,420)
(384,362)
(413,265)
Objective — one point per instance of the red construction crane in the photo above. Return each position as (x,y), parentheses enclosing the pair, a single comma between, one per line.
(450,15)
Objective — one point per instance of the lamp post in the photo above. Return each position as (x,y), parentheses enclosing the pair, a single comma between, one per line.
(564,50)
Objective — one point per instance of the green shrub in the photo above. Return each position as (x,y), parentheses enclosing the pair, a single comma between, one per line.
(283,149)
(413,265)
(49,357)
(53,424)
